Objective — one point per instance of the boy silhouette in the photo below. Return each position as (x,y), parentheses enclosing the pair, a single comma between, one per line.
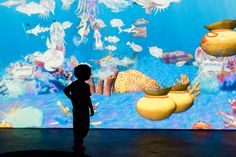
(79,94)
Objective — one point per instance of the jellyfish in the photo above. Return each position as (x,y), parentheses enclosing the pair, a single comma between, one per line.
(48,6)
(87,9)
(116,5)
(66,4)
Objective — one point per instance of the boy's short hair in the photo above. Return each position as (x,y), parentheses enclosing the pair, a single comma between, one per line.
(82,72)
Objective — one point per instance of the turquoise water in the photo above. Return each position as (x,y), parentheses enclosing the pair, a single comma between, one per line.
(179,27)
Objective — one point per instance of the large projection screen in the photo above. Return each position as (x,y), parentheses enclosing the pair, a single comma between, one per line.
(156,64)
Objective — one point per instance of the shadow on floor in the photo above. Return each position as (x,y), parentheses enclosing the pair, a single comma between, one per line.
(42,153)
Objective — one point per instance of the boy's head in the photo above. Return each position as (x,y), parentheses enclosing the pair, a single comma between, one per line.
(82,72)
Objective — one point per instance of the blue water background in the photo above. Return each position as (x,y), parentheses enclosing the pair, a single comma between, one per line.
(179,27)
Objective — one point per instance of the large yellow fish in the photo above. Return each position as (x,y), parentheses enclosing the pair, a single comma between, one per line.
(221,40)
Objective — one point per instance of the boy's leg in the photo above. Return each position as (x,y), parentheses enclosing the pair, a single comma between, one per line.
(86,127)
(78,140)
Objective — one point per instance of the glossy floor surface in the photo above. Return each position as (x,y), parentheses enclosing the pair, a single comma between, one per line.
(119,143)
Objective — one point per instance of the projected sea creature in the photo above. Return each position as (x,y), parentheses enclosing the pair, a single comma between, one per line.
(117,23)
(97,24)
(155,51)
(231,118)
(24,117)
(126,62)
(43,8)
(10,3)
(116,5)
(66,4)
(83,32)
(221,40)
(112,39)
(227,77)
(141,21)
(137,31)
(183,95)
(53,59)
(160,104)
(63,108)
(57,34)
(134,47)
(20,70)
(177,56)
(111,48)
(156,107)
(127,30)
(208,64)
(38,29)
(155,5)
(31,8)
(181,63)
(202,125)
(87,9)
(140,32)
(49,6)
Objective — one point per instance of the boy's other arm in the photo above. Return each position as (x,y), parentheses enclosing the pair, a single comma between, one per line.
(90,101)
(67,92)
(91,108)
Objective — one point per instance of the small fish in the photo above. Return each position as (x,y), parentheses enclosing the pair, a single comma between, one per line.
(117,23)
(141,21)
(135,47)
(126,62)
(111,47)
(180,63)
(112,39)
(156,52)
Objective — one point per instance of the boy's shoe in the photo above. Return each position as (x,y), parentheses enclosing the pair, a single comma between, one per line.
(79,148)
(80,153)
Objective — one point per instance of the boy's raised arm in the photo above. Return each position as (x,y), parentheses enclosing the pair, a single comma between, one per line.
(67,92)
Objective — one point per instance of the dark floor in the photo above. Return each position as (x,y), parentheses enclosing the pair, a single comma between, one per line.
(119,143)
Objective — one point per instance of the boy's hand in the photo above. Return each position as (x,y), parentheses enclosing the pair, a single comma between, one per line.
(91,113)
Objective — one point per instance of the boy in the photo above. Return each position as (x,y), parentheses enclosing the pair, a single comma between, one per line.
(79,93)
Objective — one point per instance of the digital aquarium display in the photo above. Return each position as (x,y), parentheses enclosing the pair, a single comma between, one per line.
(156,64)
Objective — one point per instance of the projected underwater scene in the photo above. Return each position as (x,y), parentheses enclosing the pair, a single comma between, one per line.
(156,64)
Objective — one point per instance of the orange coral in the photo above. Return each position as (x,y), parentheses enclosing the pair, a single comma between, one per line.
(202,125)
